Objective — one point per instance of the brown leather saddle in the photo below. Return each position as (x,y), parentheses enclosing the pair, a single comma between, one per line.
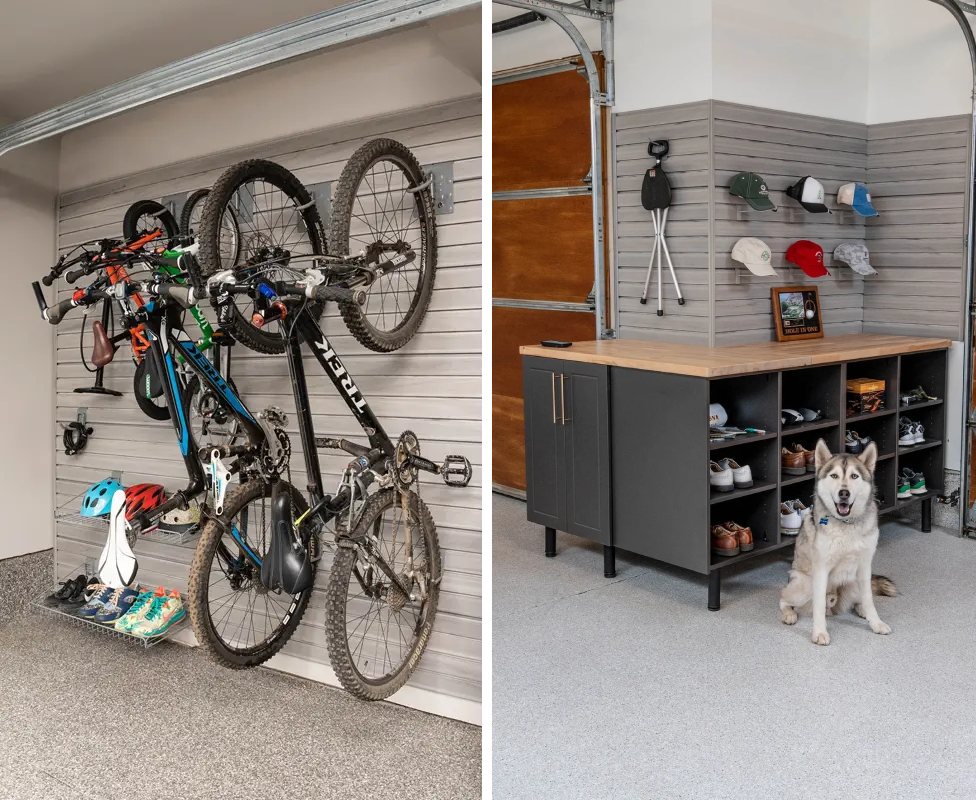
(103,351)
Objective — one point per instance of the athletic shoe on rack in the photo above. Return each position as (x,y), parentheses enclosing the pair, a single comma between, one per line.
(101,595)
(65,591)
(906,432)
(82,595)
(919,433)
(116,606)
(139,609)
(164,612)
(904,487)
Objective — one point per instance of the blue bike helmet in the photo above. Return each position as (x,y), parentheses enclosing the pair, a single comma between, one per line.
(98,499)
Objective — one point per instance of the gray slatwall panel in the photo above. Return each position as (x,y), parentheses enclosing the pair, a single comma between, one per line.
(432,386)
(688,166)
(917,172)
(782,147)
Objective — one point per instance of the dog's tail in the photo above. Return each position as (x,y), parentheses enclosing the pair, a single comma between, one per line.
(882,586)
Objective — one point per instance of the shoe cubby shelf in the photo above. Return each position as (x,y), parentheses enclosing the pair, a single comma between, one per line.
(633,470)
(102,629)
(68,514)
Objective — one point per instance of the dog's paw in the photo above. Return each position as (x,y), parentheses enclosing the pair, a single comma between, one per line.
(881,627)
(859,610)
(788,616)
(820,637)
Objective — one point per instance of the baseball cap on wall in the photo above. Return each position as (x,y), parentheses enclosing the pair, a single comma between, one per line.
(857,196)
(808,256)
(752,188)
(855,255)
(755,254)
(809,193)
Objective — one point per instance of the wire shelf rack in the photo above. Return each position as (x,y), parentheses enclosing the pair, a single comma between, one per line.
(68,514)
(105,630)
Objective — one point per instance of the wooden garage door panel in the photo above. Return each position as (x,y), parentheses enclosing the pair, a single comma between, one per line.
(540,132)
(513,327)
(542,249)
(507,442)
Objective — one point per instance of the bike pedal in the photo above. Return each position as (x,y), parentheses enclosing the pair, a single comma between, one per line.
(456,471)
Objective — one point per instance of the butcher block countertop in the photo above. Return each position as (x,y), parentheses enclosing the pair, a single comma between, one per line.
(718,362)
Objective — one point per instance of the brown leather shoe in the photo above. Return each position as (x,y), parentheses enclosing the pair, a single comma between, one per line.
(793,463)
(724,541)
(809,455)
(743,535)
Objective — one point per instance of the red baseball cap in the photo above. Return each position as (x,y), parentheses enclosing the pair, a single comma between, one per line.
(808,256)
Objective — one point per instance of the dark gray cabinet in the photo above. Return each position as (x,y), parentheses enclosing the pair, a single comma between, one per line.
(567,446)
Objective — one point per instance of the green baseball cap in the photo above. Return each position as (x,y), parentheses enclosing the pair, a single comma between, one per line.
(752,188)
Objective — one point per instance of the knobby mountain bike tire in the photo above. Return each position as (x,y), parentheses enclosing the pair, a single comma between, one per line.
(144,216)
(372,662)
(373,211)
(238,623)
(273,210)
(230,233)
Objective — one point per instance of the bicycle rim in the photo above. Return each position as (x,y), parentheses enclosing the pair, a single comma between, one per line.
(229,237)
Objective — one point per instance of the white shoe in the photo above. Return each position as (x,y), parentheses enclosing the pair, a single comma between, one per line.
(919,433)
(797,506)
(741,476)
(789,520)
(906,433)
(720,478)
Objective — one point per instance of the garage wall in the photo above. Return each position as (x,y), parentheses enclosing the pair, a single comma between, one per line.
(432,386)
(28,203)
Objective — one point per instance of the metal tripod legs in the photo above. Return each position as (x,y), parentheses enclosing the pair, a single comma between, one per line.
(660,244)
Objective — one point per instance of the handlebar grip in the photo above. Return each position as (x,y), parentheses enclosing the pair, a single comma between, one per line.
(339,294)
(40,296)
(73,274)
(55,314)
(183,295)
(47,280)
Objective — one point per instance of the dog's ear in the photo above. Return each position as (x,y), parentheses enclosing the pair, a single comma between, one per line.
(822,454)
(869,457)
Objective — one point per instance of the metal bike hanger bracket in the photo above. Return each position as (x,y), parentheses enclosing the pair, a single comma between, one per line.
(442,189)
(322,195)
(175,203)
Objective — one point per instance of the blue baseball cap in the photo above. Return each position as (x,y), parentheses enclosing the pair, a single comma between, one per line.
(857,196)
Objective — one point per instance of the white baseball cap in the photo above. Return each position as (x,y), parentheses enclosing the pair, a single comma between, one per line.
(755,254)
(855,255)
(809,193)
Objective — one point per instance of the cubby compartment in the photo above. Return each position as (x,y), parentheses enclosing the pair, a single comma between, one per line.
(883,431)
(749,400)
(762,459)
(759,512)
(808,438)
(883,369)
(815,388)
(927,370)
(929,463)
(932,418)
(885,483)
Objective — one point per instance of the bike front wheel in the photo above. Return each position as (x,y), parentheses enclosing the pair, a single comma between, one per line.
(375,631)
(236,620)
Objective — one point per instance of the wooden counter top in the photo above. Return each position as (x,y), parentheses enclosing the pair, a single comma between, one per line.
(717,362)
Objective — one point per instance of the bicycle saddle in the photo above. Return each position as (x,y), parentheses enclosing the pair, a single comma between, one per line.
(103,351)
(287,564)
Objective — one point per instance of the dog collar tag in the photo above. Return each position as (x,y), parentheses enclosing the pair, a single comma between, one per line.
(824,521)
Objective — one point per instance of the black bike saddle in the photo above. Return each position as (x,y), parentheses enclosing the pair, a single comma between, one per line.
(287,564)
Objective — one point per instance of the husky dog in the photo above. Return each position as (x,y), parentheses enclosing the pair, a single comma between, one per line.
(836,544)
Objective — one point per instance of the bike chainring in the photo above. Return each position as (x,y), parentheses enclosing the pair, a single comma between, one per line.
(403,471)
(276,450)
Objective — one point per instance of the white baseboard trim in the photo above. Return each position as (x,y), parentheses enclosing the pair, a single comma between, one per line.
(409,696)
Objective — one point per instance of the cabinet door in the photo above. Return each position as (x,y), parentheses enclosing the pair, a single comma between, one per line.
(545,473)
(585,390)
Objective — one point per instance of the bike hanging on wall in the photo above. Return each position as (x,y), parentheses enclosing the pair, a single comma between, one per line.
(255,562)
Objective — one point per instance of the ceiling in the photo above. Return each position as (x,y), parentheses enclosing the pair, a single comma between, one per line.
(52,51)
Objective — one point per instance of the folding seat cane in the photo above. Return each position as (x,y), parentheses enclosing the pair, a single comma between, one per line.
(656,198)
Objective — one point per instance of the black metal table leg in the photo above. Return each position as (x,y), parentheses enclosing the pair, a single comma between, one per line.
(927,515)
(550,542)
(715,590)
(609,561)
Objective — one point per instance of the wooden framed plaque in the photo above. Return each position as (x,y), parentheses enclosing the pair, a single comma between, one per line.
(796,313)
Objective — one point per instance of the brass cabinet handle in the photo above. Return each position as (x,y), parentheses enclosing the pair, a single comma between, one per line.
(554,398)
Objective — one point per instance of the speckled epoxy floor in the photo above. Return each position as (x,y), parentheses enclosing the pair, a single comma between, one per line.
(84,716)
(630,688)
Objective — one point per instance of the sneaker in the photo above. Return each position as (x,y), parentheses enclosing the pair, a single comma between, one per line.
(163,613)
(66,590)
(904,487)
(789,520)
(906,433)
(916,481)
(82,595)
(741,476)
(919,433)
(116,606)
(137,613)
(797,506)
(855,443)
(720,478)
(915,396)
(100,595)
(724,541)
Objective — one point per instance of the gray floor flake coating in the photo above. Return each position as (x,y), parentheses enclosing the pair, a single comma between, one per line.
(82,715)
(630,688)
